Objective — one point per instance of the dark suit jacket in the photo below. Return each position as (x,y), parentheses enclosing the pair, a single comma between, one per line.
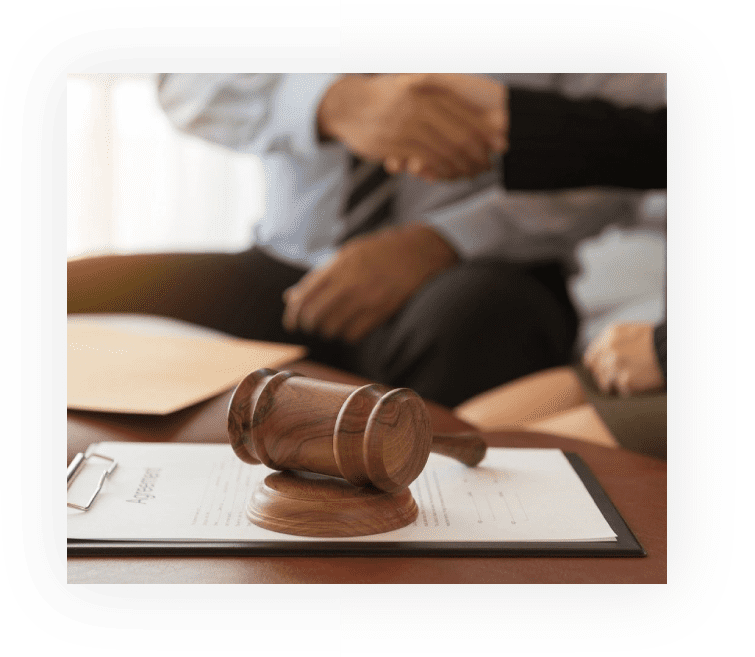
(556,142)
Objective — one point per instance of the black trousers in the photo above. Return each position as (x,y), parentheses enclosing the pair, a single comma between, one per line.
(474,326)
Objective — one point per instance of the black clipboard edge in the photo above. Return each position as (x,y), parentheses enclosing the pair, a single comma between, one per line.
(625,537)
(626,544)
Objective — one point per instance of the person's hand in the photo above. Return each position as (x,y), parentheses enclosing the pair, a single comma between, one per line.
(481,91)
(622,359)
(418,120)
(367,281)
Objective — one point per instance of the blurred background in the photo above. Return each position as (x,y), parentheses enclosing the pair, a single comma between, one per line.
(135,184)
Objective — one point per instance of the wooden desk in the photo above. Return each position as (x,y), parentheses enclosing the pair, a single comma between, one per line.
(636,484)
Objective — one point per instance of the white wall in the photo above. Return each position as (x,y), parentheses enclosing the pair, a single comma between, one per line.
(135,184)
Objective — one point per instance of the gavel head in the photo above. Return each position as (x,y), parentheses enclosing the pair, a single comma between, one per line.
(366,435)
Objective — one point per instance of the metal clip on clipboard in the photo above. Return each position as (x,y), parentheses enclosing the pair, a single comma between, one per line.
(77,465)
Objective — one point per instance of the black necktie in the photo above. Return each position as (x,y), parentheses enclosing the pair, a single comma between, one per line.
(369,199)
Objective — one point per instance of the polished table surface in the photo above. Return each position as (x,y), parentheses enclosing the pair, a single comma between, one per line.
(636,485)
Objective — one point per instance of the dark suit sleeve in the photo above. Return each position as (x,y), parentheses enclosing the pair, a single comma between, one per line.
(556,143)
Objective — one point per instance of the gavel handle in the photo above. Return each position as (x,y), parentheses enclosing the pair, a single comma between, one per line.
(468,448)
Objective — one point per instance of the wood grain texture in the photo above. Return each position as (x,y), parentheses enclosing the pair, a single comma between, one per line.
(469,448)
(348,438)
(376,439)
(366,435)
(308,504)
(397,440)
(240,415)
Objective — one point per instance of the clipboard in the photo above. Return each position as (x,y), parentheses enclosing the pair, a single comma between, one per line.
(625,545)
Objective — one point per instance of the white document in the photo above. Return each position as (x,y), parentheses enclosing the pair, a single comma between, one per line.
(199,492)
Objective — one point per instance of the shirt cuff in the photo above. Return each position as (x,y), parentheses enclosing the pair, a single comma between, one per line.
(472,227)
(296,102)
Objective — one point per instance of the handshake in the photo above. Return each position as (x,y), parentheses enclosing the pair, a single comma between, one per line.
(438,126)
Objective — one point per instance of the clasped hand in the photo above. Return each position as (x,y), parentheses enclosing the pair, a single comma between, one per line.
(622,359)
(438,126)
(365,283)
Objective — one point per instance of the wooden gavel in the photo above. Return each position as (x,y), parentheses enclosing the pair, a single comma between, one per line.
(365,435)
